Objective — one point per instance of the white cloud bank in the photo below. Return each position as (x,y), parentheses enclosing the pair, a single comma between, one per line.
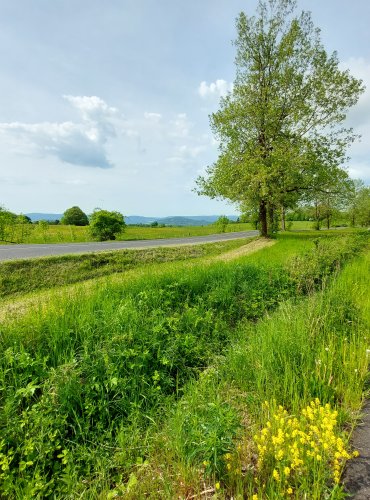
(78,143)
(219,88)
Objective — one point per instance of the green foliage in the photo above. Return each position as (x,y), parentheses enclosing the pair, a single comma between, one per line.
(280,129)
(359,211)
(105,225)
(315,266)
(75,216)
(222,222)
(7,222)
(204,427)
(82,382)
(316,348)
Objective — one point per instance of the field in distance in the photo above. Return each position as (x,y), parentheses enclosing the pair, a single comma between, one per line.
(79,234)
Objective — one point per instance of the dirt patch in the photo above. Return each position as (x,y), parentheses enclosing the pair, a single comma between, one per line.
(247,249)
(356,477)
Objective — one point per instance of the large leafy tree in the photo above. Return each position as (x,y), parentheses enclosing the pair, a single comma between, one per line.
(281,128)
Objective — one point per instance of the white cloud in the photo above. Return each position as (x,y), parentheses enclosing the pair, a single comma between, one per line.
(186,151)
(359,114)
(219,88)
(358,117)
(153,117)
(180,126)
(78,143)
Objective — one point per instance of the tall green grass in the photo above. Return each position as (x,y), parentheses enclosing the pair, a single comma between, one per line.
(317,348)
(27,275)
(85,384)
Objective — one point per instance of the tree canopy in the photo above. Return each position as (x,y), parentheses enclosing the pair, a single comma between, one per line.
(105,225)
(74,216)
(280,130)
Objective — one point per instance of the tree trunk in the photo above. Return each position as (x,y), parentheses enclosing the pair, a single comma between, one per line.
(270,219)
(282,218)
(317,216)
(328,221)
(263,218)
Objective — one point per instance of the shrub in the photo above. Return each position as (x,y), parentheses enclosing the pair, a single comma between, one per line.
(74,216)
(105,225)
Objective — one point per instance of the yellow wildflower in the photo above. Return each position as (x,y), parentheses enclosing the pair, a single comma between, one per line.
(276,475)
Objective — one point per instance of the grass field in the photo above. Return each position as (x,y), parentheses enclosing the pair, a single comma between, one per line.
(27,275)
(77,234)
(153,385)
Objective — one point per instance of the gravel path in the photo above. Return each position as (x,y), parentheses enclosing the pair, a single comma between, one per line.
(356,476)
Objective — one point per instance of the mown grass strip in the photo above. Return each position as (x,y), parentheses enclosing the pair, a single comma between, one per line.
(27,275)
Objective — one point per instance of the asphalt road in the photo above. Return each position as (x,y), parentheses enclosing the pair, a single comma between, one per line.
(13,252)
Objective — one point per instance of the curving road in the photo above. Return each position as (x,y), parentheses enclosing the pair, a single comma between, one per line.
(13,252)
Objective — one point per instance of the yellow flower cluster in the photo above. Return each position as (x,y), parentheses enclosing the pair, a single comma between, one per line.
(294,447)
(232,464)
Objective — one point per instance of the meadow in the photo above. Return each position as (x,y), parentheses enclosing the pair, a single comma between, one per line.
(176,382)
(44,233)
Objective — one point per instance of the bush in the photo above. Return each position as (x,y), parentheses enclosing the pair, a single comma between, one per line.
(74,216)
(222,222)
(105,225)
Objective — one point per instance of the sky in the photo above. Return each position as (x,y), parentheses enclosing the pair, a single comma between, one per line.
(106,103)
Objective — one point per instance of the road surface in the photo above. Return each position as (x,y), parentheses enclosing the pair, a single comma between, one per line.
(13,252)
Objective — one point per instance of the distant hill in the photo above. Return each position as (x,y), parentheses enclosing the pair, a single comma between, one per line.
(176,220)
(36,216)
(183,221)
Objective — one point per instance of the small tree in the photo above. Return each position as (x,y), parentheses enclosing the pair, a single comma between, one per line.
(222,222)
(74,216)
(358,209)
(44,228)
(105,225)
(363,207)
(24,227)
(7,224)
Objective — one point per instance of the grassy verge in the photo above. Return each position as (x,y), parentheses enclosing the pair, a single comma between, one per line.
(271,419)
(84,385)
(27,275)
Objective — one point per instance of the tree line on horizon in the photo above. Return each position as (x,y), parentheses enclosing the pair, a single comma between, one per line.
(351,208)
(103,224)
